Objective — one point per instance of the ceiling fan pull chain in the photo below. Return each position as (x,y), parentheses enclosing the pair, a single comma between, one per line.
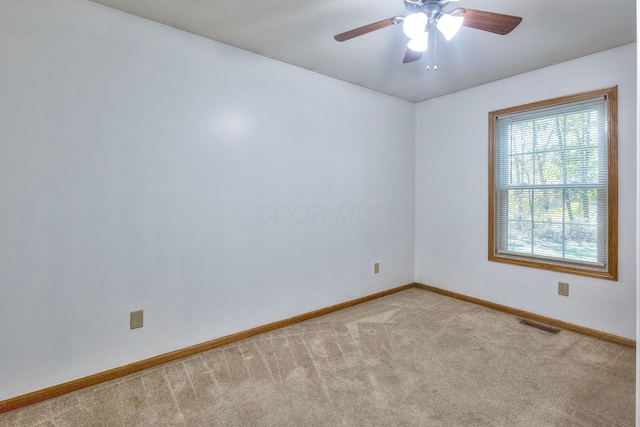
(435,51)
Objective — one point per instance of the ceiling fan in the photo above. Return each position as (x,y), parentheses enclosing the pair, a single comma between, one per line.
(425,15)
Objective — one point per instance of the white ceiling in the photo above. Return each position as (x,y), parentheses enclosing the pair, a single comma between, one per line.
(301,33)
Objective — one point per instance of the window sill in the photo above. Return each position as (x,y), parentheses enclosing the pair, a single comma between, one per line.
(605,274)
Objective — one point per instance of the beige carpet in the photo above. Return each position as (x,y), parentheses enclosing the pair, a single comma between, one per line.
(410,359)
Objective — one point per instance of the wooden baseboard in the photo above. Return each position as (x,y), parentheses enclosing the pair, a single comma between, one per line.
(532,316)
(91,380)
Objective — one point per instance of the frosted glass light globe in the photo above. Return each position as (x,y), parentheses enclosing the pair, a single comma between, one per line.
(414,24)
(449,25)
(419,43)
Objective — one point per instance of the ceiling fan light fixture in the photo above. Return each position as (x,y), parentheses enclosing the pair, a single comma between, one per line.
(449,25)
(419,43)
(414,24)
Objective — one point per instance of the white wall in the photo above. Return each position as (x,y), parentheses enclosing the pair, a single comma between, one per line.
(142,167)
(451,220)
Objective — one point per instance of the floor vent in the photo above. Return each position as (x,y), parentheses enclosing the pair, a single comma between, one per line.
(540,326)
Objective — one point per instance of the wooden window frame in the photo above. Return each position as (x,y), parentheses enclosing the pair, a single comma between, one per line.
(611,271)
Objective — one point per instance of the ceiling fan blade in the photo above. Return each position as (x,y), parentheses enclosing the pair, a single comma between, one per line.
(411,56)
(368,28)
(488,21)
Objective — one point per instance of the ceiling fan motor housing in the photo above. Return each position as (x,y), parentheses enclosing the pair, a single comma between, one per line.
(431,8)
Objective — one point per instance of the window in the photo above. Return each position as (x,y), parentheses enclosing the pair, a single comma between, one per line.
(553,192)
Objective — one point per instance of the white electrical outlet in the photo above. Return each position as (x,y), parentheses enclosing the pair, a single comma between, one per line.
(376,268)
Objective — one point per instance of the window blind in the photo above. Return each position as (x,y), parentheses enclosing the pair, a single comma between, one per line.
(551,183)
